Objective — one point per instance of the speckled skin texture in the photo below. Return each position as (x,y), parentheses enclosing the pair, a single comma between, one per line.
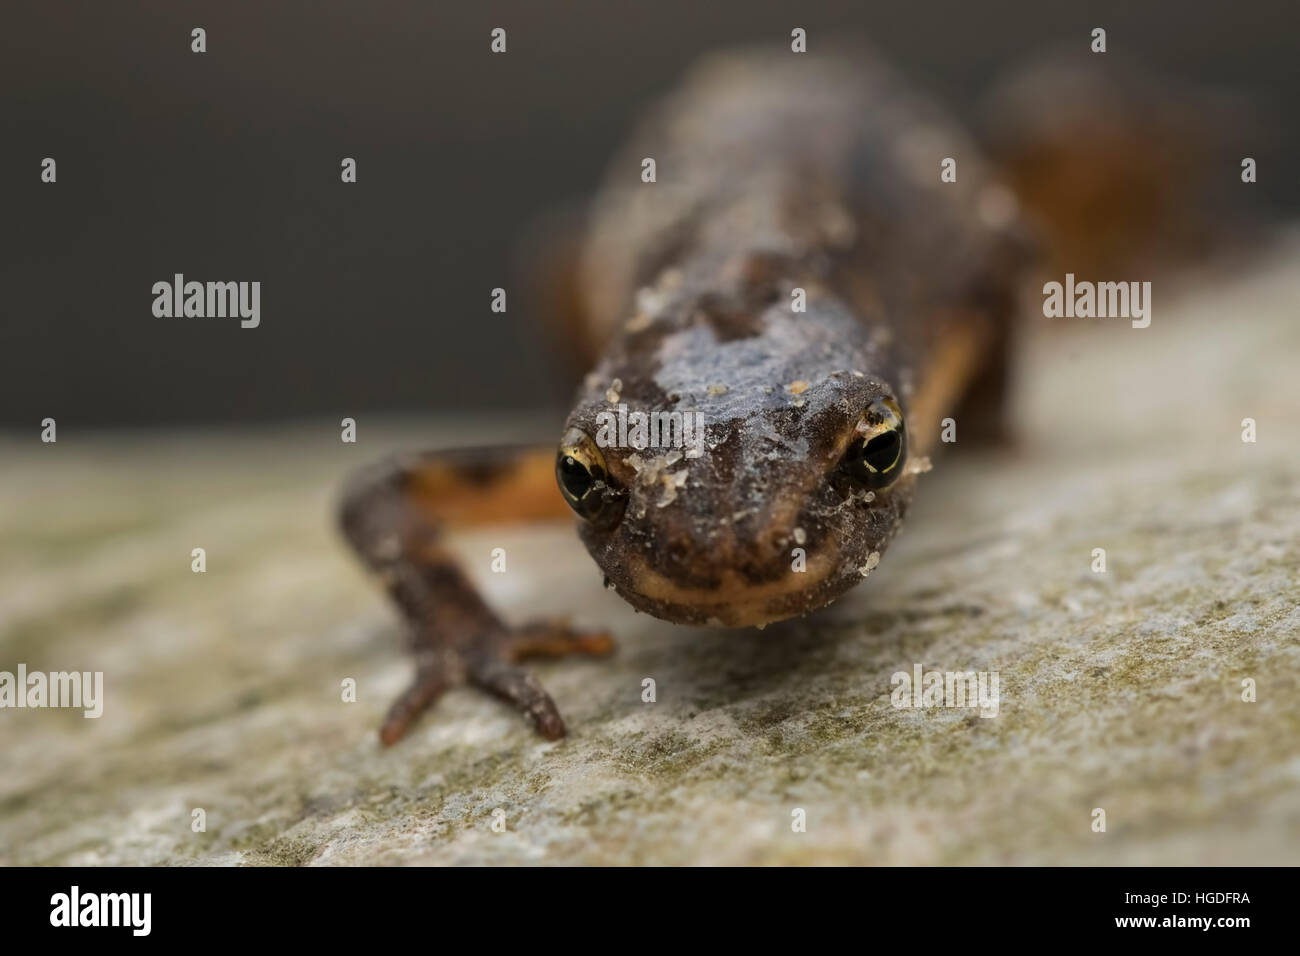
(775,172)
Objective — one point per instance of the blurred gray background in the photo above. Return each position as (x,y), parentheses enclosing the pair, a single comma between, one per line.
(375,296)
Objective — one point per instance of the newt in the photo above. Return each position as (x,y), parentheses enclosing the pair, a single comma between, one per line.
(801,279)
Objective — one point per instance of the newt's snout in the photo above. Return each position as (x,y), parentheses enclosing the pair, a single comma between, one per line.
(771,556)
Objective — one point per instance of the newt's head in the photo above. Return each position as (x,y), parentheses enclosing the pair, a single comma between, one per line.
(737,474)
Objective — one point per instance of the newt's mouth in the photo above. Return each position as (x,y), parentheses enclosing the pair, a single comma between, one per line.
(734,601)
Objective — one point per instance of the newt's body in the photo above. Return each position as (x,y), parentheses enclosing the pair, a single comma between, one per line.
(775,173)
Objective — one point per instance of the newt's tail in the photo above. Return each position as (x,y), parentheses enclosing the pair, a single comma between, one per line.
(1120,168)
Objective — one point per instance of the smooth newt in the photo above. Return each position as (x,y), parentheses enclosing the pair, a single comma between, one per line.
(778,176)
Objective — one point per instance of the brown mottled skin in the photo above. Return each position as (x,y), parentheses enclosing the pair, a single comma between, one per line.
(778,172)
(775,172)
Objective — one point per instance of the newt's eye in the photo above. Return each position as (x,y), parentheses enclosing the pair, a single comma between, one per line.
(584,480)
(875,458)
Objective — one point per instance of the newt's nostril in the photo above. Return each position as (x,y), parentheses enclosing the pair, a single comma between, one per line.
(678,552)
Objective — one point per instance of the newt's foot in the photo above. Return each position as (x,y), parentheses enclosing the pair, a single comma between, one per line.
(491,663)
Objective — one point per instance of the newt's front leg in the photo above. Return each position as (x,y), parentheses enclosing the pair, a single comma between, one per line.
(394,514)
